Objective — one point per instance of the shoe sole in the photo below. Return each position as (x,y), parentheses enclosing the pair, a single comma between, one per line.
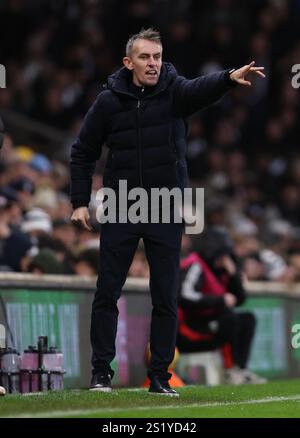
(163,394)
(100,389)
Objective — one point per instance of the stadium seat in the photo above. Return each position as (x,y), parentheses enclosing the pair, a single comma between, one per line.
(191,366)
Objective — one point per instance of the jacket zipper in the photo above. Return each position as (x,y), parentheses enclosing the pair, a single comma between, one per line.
(139,141)
(138,117)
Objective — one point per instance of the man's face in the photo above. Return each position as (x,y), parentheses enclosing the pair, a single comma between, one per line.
(145,61)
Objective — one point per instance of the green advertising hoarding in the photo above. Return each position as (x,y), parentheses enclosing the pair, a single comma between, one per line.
(269,354)
(64,316)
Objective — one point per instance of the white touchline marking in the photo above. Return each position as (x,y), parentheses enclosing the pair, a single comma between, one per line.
(147,408)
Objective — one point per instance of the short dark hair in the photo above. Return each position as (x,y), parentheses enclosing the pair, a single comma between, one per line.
(149,34)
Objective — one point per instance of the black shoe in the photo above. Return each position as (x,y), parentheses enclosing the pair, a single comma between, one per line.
(101,382)
(161,386)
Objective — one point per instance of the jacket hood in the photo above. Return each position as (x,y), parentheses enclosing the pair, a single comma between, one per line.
(213,244)
(120,80)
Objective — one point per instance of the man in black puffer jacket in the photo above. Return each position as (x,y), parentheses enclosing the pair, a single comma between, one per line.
(141,118)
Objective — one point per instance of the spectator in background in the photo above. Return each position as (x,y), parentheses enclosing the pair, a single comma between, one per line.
(87,262)
(65,231)
(36,222)
(45,262)
(62,252)
(14,244)
(211,289)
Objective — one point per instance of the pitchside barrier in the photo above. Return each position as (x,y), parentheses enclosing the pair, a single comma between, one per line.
(59,307)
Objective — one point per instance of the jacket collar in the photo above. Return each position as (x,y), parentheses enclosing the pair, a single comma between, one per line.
(119,82)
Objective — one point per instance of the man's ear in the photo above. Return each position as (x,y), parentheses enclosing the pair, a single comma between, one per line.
(128,63)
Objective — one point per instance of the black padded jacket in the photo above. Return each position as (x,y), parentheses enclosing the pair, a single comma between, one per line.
(145,133)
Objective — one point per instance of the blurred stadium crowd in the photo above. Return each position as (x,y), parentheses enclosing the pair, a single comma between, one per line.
(244,151)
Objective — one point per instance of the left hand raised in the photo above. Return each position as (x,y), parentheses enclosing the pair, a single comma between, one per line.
(239,75)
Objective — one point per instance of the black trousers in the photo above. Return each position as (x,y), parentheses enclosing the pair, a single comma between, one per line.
(117,247)
(233,327)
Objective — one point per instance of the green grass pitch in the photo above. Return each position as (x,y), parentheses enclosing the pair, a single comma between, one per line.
(280,399)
